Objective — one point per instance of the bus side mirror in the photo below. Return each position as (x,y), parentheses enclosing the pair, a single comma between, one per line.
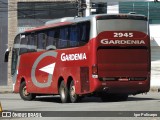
(6,55)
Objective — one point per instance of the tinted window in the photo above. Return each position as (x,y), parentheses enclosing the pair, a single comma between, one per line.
(121,24)
(84,32)
(23,44)
(31,42)
(41,41)
(63,37)
(17,39)
(74,33)
(79,34)
(51,41)
(14,60)
(15,53)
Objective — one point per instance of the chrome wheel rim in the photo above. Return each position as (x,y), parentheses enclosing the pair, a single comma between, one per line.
(63,93)
(25,93)
(72,92)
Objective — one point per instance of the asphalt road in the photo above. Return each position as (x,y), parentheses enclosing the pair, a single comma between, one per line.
(141,104)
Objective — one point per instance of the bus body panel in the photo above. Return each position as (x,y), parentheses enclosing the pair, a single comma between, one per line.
(67,64)
(121,55)
(124,87)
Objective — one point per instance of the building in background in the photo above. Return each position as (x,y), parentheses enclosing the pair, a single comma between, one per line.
(35,13)
(24,14)
(3,41)
(151,10)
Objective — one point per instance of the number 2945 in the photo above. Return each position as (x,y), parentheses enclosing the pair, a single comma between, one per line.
(119,34)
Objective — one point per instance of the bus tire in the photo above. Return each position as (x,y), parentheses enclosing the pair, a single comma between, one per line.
(114,97)
(24,94)
(123,97)
(72,93)
(63,91)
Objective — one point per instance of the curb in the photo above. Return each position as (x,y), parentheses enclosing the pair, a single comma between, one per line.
(1,107)
(158,89)
(6,89)
(155,89)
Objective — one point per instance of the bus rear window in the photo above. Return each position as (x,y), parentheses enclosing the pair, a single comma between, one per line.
(122,25)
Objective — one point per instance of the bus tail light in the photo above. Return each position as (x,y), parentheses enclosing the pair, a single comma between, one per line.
(94,71)
(123,78)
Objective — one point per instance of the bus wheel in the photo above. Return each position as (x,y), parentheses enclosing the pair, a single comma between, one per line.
(72,93)
(114,97)
(24,94)
(123,97)
(63,91)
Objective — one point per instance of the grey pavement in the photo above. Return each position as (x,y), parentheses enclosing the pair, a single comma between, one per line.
(6,89)
(141,102)
(9,89)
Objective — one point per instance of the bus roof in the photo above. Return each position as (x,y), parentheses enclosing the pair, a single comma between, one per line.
(48,26)
(81,19)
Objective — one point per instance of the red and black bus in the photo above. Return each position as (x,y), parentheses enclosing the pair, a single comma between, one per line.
(103,55)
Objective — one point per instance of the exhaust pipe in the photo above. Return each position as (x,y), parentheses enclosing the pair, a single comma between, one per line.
(105,89)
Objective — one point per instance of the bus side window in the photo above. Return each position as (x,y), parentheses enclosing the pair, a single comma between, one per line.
(17,40)
(31,43)
(23,44)
(14,60)
(84,32)
(51,41)
(41,41)
(73,36)
(56,37)
(15,53)
(63,38)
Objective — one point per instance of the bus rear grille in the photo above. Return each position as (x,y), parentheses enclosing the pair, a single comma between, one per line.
(123,78)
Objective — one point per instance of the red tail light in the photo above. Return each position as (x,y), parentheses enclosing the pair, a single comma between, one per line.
(94,71)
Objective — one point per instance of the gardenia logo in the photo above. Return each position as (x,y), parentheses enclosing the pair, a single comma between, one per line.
(106,41)
(72,57)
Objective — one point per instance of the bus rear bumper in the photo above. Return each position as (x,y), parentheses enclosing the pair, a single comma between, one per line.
(130,87)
